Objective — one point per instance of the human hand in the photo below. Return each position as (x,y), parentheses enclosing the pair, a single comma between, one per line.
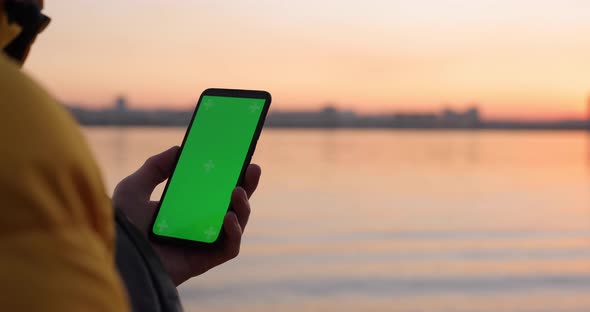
(132,196)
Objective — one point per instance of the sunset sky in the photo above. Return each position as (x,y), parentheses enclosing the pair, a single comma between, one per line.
(516,59)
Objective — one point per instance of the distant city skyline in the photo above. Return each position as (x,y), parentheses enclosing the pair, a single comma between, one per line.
(121,103)
(120,114)
(518,59)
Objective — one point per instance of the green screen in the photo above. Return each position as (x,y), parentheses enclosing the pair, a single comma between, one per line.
(199,191)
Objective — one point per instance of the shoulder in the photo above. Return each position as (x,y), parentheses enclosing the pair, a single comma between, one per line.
(47,168)
(29,112)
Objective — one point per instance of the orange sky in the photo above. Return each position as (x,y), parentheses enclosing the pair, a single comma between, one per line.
(518,59)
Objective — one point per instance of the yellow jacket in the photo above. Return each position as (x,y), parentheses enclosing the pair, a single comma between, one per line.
(56,223)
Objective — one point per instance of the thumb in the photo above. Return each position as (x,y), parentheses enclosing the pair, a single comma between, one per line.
(154,171)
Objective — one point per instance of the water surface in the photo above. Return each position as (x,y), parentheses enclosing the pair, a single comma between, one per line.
(368,220)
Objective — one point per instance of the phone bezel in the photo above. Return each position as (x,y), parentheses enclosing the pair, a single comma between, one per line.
(225,93)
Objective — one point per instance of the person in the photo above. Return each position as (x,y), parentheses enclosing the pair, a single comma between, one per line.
(64,246)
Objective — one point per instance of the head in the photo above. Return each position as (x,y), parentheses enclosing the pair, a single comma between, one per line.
(20,23)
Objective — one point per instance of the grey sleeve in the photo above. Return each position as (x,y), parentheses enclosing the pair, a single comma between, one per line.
(149,287)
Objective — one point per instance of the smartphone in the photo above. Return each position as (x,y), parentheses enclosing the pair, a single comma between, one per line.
(212,161)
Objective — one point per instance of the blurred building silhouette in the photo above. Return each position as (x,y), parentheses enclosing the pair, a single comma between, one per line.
(121,104)
(467,119)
